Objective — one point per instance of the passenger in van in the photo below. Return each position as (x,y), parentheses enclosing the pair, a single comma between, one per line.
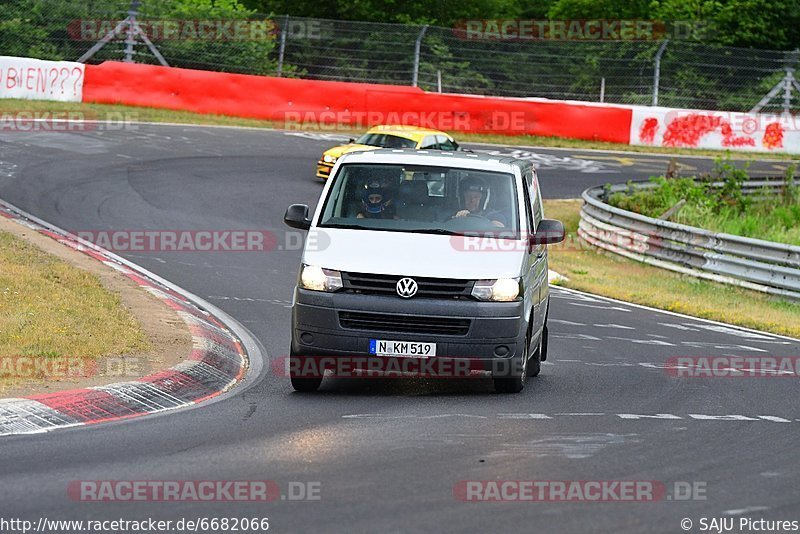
(474,194)
(376,202)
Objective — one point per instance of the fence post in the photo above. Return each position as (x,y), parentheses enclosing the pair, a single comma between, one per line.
(415,77)
(657,71)
(602,89)
(282,49)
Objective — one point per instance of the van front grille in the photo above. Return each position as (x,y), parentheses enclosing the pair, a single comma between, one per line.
(381,284)
(405,324)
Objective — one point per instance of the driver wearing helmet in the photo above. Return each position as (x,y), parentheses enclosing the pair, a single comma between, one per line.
(474,194)
(376,202)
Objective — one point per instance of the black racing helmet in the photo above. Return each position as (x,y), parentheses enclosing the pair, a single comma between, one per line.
(474,183)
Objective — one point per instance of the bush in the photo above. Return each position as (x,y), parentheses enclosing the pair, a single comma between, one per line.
(726,208)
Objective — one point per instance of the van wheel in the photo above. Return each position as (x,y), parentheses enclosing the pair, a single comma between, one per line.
(301,382)
(306,385)
(543,349)
(516,382)
(535,363)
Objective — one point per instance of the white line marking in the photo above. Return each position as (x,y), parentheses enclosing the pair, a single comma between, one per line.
(618,416)
(679,327)
(617,308)
(721,417)
(746,510)
(557,289)
(720,346)
(775,419)
(576,336)
(645,341)
(523,416)
(733,332)
(644,416)
(561,321)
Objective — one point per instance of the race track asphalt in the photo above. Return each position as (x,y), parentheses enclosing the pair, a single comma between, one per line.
(388,453)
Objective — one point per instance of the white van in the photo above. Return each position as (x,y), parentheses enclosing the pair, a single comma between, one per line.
(425,255)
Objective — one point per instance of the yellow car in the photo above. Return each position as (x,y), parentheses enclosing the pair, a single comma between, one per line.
(387,137)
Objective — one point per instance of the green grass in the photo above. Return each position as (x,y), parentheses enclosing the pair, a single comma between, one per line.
(50,309)
(768,215)
(147,114)
(602,273)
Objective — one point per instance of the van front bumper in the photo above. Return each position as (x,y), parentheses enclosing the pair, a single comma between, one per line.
(496,330)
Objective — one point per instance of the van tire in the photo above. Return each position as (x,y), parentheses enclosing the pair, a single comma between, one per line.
(515,383)
(535,362)
(304,384)
(545,336)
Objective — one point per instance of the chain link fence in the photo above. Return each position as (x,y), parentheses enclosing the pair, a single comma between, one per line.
(675,73)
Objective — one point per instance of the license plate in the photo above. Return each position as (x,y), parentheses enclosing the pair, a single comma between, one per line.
(410,349)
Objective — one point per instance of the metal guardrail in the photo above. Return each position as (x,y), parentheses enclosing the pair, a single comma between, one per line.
(765,266)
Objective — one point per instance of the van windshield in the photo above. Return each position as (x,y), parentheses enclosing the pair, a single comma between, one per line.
(422,199)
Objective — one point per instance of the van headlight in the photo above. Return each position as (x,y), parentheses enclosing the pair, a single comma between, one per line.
(500,290)
(319,279)
(329,159)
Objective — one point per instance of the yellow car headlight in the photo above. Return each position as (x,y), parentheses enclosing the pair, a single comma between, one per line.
(327,158)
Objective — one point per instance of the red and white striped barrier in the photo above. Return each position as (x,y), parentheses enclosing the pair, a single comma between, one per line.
(295,103)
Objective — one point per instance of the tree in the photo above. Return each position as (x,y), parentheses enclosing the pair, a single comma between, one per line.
(769,24)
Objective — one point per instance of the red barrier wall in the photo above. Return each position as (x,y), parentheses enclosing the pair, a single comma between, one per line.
(292,100)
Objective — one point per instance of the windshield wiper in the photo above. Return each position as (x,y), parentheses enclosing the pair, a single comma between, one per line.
(347,226)
(438,231)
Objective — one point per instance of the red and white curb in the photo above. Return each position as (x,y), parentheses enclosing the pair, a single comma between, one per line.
(218,361)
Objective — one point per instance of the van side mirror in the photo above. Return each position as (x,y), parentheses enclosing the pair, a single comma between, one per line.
(296,216)
(549,231)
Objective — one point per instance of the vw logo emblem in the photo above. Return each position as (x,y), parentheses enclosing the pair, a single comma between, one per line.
(406,287)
